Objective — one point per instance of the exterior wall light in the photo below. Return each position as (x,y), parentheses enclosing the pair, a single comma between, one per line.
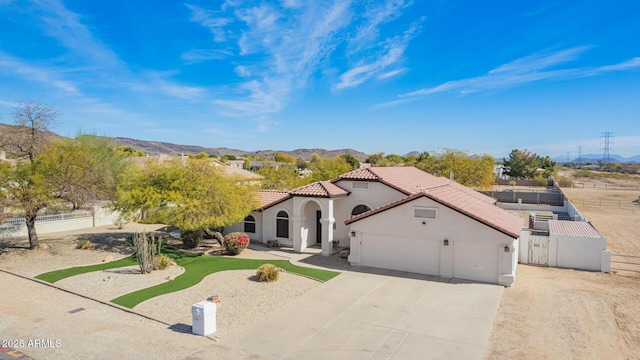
(446,242)
(507,248)
(353,233)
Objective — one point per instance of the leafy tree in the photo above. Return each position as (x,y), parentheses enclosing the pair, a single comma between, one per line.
(284,158)
(472,171)
(351,160)
(201,155)
(246,163)
(394,159)
(546,164)
(193,196)
(522,164)
(82,169)
(129,151)
(281,178)
(377,159)
(327,169)
(228,157)
(301,163)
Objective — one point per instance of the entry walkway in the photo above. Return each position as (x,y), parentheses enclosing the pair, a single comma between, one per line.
(389,315)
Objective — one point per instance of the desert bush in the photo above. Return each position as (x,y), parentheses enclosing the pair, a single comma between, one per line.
(565,181)
(85,245)
(540,180)
(235,242)
(191,238)
(268,273)
(163,262)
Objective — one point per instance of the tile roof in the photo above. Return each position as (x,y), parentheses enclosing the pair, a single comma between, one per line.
(573,228)
(268,198)
(359,174)
(417,183)
(323,189)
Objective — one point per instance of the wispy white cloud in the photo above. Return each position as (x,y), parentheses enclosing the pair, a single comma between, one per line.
(210,20)
(48,77)
(389,56)
(538,67)
(375,15)
(295,39)
(201,55)
(390,74)
(625,65)
(67,27)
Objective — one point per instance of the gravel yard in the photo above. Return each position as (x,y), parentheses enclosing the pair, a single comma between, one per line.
(242,298)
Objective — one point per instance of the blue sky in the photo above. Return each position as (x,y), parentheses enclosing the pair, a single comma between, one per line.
(392,76)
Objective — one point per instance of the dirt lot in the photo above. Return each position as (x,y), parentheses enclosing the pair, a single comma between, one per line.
(566,314)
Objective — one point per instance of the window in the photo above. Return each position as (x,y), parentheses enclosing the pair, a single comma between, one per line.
(359,210)
(360,185)
(282,225)
(250,224)
(425,213)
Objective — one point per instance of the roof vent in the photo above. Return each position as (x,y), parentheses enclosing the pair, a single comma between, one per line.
(451,177)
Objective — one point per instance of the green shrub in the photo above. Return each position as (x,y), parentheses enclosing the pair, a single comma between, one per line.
(191,238)
(268,273)
(85,245)
(540,180)
(163,262)
(235,242)
(565,181)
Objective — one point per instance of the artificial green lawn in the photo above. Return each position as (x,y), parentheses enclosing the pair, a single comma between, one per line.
(58,275)
(196,267)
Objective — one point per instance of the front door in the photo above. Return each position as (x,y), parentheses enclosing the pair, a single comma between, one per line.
(318,227)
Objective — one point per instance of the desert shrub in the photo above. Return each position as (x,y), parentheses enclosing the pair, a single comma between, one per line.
(191,238)
(162,262)
(540,180)
(235,242)
(268,273)
(85,245)
(565,181)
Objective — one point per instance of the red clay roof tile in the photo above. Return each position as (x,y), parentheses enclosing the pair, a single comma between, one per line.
(323,189)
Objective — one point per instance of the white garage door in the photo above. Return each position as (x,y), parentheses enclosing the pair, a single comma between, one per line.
(399,253)
(473,261)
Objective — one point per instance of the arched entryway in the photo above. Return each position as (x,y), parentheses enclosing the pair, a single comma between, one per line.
(311,225)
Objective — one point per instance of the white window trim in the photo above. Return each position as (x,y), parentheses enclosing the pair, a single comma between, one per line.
(434,209)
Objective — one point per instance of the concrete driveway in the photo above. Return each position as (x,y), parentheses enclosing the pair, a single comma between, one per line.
(377,316)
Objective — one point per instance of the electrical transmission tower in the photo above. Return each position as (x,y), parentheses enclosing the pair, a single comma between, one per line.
(607,142)
(579,154)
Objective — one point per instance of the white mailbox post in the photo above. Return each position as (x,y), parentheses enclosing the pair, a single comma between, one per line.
(203,316)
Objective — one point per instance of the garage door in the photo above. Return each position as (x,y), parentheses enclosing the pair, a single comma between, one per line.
(473,261)
(398,253)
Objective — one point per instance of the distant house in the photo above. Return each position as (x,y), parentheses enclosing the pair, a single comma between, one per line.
(399,218)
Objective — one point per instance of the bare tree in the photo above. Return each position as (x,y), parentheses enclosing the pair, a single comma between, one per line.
(31,134)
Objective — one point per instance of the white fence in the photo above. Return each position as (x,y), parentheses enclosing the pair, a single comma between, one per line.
(46,224)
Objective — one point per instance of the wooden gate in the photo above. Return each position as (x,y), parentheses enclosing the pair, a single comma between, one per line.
(538,250)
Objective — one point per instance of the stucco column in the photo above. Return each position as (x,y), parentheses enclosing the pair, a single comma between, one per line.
(327,222)
(327,235)
(298,246)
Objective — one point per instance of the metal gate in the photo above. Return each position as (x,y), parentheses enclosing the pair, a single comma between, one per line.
(625,263)
(538,250)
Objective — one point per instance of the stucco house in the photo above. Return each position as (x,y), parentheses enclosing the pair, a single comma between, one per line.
(399,218)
